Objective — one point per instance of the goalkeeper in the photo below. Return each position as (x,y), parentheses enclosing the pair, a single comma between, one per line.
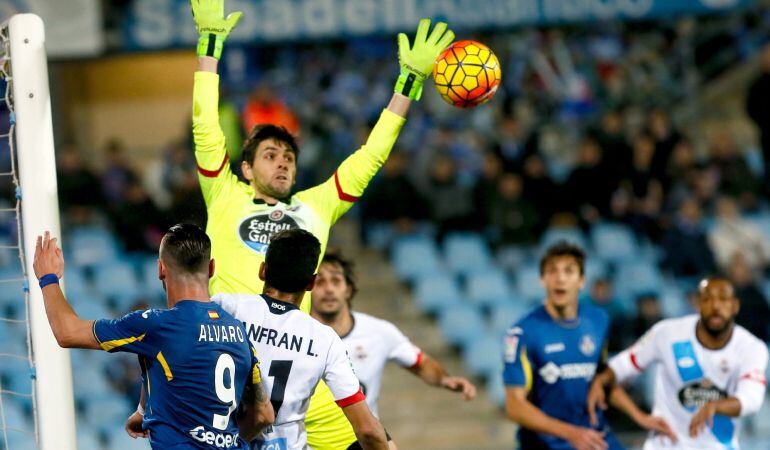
(242,217)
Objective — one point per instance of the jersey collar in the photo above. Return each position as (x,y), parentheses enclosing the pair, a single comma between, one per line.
(278,306)
(259,201)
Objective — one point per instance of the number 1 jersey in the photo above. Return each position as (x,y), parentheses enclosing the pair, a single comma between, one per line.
(295,353)
(196,362)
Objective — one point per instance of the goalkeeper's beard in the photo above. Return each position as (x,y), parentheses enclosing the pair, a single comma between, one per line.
(270,191)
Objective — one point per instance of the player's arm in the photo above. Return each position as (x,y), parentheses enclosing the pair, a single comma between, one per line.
(256,412)
(369,431)
(749,393)
(210,152)
(432,372)
(517,376)
(69,330)
(134,423)
(619,399)
(334,197)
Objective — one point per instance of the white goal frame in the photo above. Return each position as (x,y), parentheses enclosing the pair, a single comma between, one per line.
(54,411)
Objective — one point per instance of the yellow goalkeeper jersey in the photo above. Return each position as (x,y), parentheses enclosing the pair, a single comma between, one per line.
(240,226)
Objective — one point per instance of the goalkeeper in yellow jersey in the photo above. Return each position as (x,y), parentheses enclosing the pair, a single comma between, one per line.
(242,217)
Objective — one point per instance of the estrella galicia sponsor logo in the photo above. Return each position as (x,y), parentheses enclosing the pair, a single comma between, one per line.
(219,440)
(272,444)
(696,394)
(257,230)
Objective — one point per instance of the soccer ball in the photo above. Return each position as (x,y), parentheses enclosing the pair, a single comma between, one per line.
(466,74)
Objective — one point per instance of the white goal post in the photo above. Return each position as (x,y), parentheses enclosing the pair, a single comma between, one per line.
(40,211)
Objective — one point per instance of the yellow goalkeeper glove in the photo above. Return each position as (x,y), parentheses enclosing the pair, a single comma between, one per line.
(212,25)
(417,61)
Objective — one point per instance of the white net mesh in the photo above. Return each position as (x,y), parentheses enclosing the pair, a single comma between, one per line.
(17,370)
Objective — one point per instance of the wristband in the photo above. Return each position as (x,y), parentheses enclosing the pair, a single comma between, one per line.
(140,409)
(209,44)
(50,278)
(409,85)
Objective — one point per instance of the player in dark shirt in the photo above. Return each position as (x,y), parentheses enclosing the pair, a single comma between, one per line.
(198,367)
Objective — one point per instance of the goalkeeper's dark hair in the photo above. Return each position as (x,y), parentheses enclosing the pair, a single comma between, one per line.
(337,259)
(564,248)
(291,260)
(187,248)
(264,132)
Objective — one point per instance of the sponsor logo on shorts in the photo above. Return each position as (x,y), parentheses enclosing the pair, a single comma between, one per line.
(219,440)
(257,230)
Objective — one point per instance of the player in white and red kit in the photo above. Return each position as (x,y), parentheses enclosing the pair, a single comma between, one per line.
(295,350)
(372,342)
(710,372)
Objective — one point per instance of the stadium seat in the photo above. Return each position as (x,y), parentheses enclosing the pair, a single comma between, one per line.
(460,324)
(117,281)
(415,257)
(496,389)
(634,278)
(436,292)
(484,355)
(528,282)
(152,285)
(109,413)
(123,441)
(88,440)
(570,234)
(466,253)
(510,258)
(614,243)
(90,246)
(673,300)
(75,285)
(488,289)
(504,316)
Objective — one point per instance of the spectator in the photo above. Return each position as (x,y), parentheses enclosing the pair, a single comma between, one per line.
(393,197)
(485,188)
(451,203)
(754,310)
(735,176)
(603,296)
(616,153)
(139,223)
(758,108)
(511,144)
(665,138)
(263,107)
(686,249)
(117,173)
(512,215)
(648,313)
(79,190)
(735,235)
(588,187)
(541,190)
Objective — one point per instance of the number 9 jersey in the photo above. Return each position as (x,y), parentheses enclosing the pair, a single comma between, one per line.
(196,362)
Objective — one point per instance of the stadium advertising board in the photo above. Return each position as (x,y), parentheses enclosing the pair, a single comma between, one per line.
(157,24)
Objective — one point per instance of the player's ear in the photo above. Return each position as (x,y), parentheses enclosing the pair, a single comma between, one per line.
(262,271)
(211,267)
(246,170)
(161,270)
(311,283)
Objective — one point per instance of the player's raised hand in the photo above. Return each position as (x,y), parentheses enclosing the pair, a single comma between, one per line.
(596,398)
(134,426)
(657,425)
(587,439)
(417,60)
(460,384)
(703,419)
(48,257)
(213,26)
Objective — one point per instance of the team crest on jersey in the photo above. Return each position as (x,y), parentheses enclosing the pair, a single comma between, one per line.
(257,230)
(694,395)
(360,352)
(587,345)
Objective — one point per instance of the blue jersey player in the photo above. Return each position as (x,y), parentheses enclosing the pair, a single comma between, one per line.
(551,356)
(199,371)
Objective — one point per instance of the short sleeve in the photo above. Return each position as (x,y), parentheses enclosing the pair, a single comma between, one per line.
(228,302)
(517,367)
(637,358)
(340,376)
(129,333)
(402,351)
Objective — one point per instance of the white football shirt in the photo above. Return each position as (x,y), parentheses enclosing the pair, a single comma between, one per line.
(688,375)
(371,343)
(295,351)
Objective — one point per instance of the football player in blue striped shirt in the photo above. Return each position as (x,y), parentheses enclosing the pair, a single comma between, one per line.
(198,367)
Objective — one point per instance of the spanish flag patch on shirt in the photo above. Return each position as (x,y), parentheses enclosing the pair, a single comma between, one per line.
(213,315)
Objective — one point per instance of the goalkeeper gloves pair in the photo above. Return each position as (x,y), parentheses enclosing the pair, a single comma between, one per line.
(416,61)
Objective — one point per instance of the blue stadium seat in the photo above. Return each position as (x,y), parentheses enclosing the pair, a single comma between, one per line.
(466,253)
(415,257)
(634,278)
(436,292)
(488,288)
(504,316)
(569,234)
(123,441)
(75,285)
(496,389)
(152,285)
(109,413)
(88,439)
(12,292)
(90,384)
(614,243)
(460,324)
(595,269)
(528,284)
(116,280)
(19,375)
(90,246)
(673,300)
(484,356)
(512,257)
